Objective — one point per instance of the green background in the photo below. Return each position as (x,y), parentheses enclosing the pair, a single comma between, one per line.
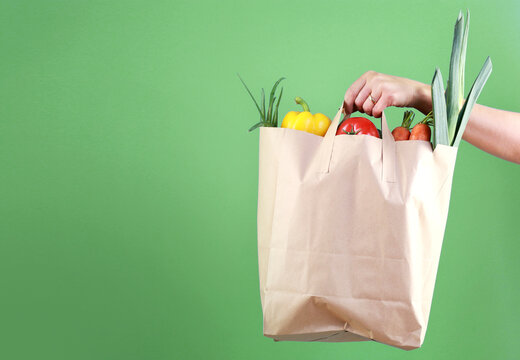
(128,180)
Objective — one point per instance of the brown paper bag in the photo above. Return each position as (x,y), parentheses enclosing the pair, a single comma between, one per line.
(350,230)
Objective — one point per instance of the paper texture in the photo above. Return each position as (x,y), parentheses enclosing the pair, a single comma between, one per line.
(350,230)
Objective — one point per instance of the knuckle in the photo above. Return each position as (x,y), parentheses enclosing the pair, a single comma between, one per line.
(375,76)
(384,86)
(367,76)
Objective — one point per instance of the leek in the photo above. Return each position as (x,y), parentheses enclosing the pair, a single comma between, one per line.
(474,93)
(451,112)
(440,135)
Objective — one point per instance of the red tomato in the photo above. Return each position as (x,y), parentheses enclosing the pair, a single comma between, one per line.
(357,126)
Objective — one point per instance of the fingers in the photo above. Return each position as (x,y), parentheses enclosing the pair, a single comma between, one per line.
(370,101)
(352,94)
(385,90)
(384,102)
(368,98)
(367,106)
(362,97)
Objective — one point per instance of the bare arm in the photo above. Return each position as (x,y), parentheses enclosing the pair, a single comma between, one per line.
(495,131)
(485,128)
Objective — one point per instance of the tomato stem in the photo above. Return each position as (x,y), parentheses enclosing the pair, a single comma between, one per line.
(351,132)
(302,102)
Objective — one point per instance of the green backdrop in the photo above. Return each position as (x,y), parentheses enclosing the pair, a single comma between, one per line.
(128,180)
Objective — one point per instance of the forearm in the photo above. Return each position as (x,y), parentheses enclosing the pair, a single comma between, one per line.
(495,131)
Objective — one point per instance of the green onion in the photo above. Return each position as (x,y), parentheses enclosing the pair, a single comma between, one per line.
(269,119)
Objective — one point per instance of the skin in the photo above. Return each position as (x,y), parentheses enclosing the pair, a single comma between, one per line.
(484,130)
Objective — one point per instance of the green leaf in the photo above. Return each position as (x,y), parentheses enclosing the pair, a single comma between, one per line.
(275,86)
(270,119)
(439,110)
(257,125)
(271,100)
(408,117)
(276,108)
(264,118)
(455,87)
(262,114)
(273,115)
(463,54)
(473,95)
(428,119)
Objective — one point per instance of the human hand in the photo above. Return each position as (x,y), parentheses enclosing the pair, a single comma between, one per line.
(373,92)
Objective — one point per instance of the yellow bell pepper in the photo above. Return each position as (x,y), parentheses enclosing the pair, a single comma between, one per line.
(303,120)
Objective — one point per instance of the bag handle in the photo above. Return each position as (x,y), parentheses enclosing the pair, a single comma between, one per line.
(388,152)
(388,148)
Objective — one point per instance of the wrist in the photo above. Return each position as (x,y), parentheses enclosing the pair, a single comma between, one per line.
(423,98)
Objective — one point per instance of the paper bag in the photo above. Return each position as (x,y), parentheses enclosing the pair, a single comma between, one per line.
(350,230)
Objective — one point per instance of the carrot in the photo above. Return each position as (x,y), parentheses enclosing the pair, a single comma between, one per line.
(402,132)
(422,131)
